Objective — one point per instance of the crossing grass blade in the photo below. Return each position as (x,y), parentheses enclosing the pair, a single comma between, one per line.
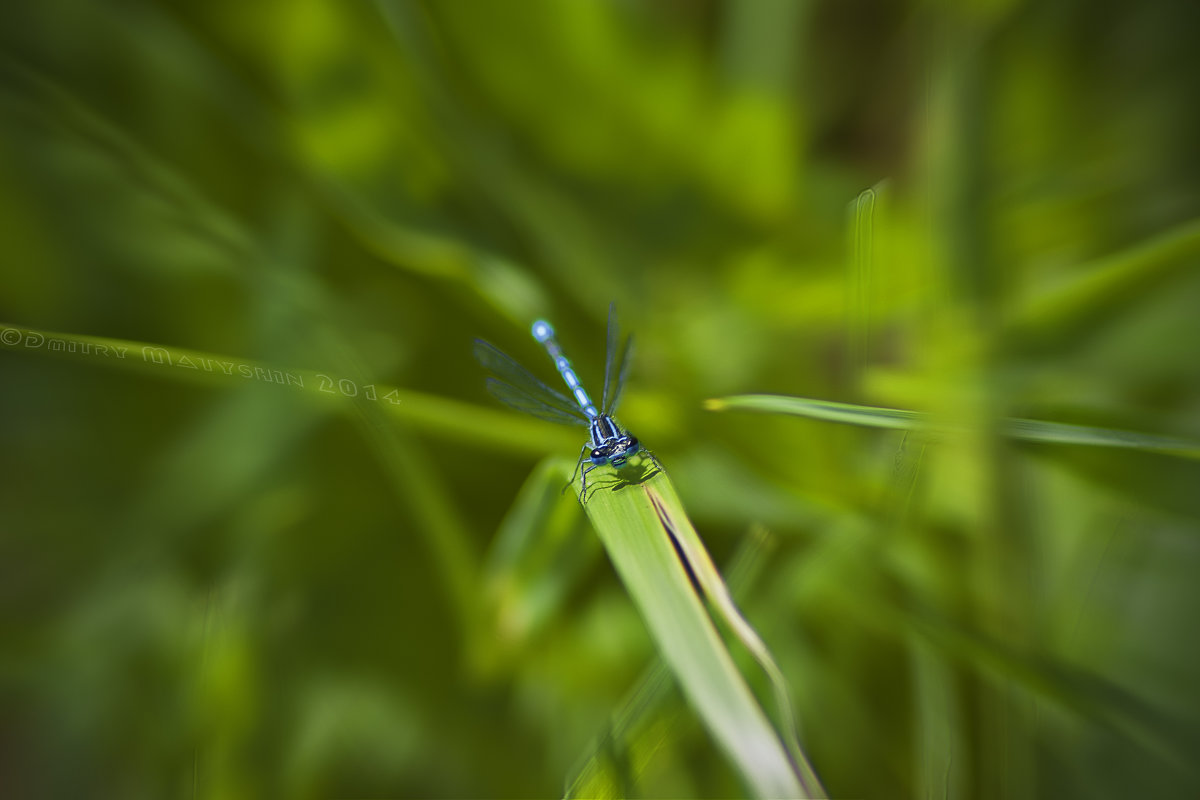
(437,416)
(1030,430)
(636,730)
(664,566)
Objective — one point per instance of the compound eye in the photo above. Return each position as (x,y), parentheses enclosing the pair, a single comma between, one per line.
(631,442)
(597,454)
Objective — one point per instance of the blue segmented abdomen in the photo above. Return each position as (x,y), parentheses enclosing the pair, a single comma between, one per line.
(543,332)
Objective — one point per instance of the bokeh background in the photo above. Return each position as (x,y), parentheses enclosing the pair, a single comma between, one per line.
(235,588)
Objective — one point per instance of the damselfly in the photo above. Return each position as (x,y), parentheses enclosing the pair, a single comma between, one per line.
(517,387)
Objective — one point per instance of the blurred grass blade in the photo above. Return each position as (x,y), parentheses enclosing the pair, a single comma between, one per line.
(1161,730)
(821,409)
(374,407)
(1030,430)
(146,172)
(504,285)
(1104,287)
(862,262)
(632,521)
(538,555)
(619,755)
(567,236)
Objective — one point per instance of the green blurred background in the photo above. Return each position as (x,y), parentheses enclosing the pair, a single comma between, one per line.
(233,588)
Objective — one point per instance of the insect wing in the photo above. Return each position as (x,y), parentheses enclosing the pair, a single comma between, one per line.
(620,369)
(610,347)
(616,362)
(519,388)
(616,354)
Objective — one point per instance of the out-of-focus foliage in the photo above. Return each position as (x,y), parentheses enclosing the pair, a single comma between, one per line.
(228,588)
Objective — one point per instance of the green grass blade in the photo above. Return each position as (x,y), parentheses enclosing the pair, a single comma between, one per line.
(636,731)
(830,411)
(1105,287)
(1029,430)
(449,419)
(641,527)
(540,552)
(375,408)
(715,590)
(862,262)
(615,759)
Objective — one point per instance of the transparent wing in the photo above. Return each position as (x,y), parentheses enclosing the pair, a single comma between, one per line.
(620,368)
(519,388)
(611,370)
(519,399)
(616,362)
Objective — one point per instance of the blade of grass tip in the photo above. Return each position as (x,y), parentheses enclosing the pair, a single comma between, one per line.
(862,232)
(700,566)
(630,522)
(1029,430)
